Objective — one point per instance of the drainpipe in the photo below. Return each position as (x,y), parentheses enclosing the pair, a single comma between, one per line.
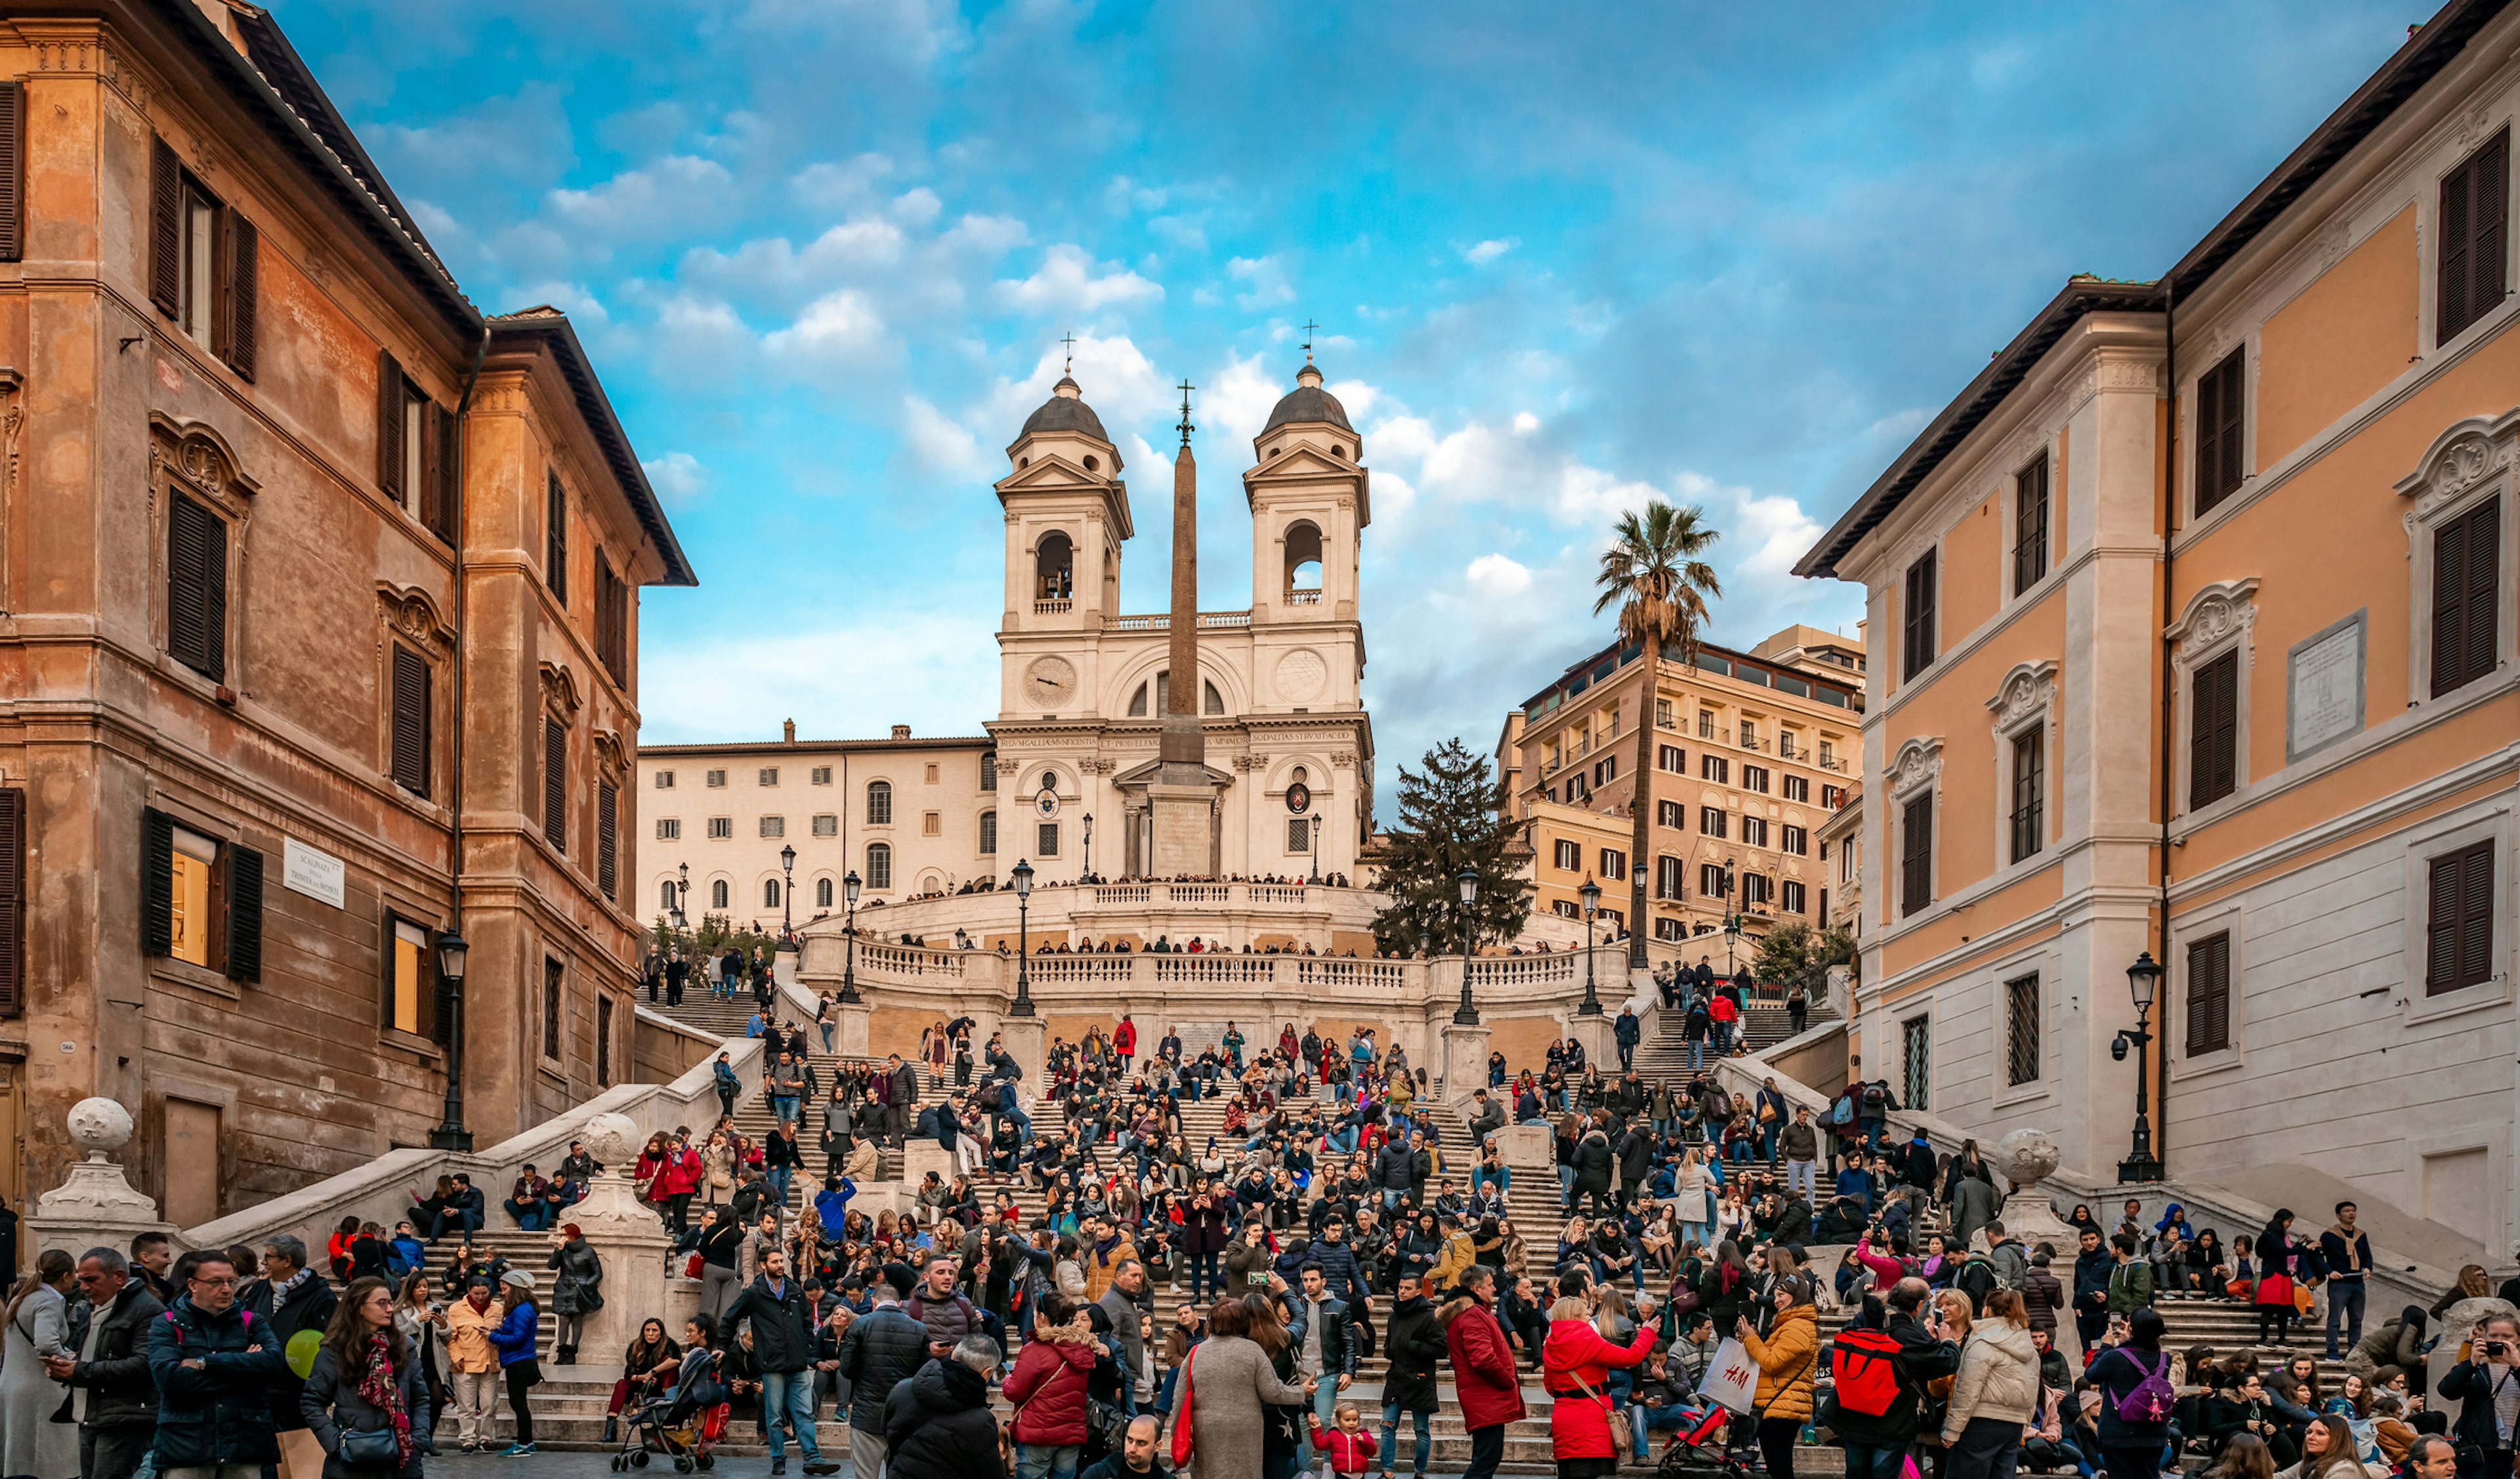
(2169,706)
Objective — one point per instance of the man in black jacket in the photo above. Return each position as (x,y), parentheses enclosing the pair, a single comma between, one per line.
(784,1346)
(1326,1346)
(1877,1444)
(1416,1350)
(113,1396)
(882,1348)
(937,1423)
(292,1297)
(2486,1386)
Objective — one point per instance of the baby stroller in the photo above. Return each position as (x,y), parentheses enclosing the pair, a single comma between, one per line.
(1700,1448)
(684,1421)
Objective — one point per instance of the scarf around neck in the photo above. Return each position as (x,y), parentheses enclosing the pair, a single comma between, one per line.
(378,1389)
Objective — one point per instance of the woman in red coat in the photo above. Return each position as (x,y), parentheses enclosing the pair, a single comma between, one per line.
(1047,1387)
(1576,1363)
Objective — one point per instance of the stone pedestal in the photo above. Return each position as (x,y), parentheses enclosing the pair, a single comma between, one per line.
(1600,1048)
(2024,1158)
(1466,1060)
(1527,1149)
(1185,829)
(94,1206)
(1028,1042)
(627,1236)
(921,1156)
(852,1033)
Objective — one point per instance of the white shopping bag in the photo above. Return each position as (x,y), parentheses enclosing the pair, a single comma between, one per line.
(1731,1378)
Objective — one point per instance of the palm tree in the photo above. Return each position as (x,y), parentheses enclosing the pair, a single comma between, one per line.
(1655,574)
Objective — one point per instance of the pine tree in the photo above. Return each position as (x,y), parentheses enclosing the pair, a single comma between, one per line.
(1452,816)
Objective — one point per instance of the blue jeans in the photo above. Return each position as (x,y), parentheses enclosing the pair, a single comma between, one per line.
(531,1216)
(1326,1401)
(1864,1463)
(778,1178)
(789,1394)
(1696,1054)
(1738,1151)
(1502,1176)
(1566,1185)
(465,1220)
(1647,1418)
(829,1028)
(2344,1295)
(1057,1461)
(782,1107)
(1724,1038)
(1391,1433)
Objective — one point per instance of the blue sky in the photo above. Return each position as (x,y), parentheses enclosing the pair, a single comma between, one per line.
(1566,257)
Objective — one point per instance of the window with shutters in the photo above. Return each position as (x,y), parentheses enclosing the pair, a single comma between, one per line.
(879,803)
(1758,888)
(410,978)
(201,898)
(1793,839)
(1794,896)
(2213,730)
(608,840)
(721,826)
(932,824)
(1917,617)
(1672,758)
(1671,813)
(768,776)
(717,894)
(197,587)
(988,834)
(774,827)
(1754,830)
(827,824)
(821,776)
(612,621)
(2473,272)
(2466,597)
(1710,880)
(603,1041)
(2029,525)
(1705,724)
(1916,1061)
(1833,796)
(556,783)
(1916,855)
(822,893)
(13,896)
(714,778)
(770,893)
(555,539)
(2458,918)
(2209,994)
(2021,1055)
(1755,777)
(204,262)
(2030,792)
(1669,878)
(1567,855)
(410,716)
(669,828)
(13,171)
(416,458)
(1614,867)
(1715,768)
(2222,423)
(664,779)
(1668,929)
(1796,789)
(1714,822)
(555,979)
(988,770)
(878,865)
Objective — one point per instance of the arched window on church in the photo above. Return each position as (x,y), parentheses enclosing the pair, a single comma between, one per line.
(717,894)
(770,893)
(665,898)
(880,803)
(1138,703)
(988,770)
(879,866)
(1162,688)
(822,893)
(1215,699)
(1304,565)
(1054,566)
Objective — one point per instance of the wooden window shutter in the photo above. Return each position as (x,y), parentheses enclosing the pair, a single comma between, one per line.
(2466,597)
(608,807)
(450,479)
(2209,995)
(197,587)
(389,423)
(156,882)
(410,720)
(12,901)
(555,540)
(240,292)
(13,171)
(165,229)
(2458,920)
(556,783)
(2471,278)
(244,912)
(2222,403)
(429,490)
(1917,855)
(1919,628)
(2213,736)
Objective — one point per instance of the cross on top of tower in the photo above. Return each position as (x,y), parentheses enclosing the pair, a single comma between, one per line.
(1070,343)
(1309,326)
(1187,427)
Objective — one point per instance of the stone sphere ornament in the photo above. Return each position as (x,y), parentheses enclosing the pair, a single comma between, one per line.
(99,1125)
(2027,1156)
(610,1138)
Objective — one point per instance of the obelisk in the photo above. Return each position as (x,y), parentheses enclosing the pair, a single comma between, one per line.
(1180,798)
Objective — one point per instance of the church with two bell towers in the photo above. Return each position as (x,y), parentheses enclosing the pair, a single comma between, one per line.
(1165,745)
(1086,688)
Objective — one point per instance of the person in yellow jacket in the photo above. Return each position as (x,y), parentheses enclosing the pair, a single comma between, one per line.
(472,1364)
(1110,1247)
(1459,1253)
(1788,1358)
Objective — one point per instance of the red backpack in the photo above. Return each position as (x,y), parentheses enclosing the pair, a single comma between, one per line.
(1861,1367)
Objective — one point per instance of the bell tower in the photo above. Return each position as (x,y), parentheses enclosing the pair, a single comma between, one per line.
(1066,514)
(1308,491)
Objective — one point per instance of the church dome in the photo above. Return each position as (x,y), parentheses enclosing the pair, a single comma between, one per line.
(1308,402)
(1067,411)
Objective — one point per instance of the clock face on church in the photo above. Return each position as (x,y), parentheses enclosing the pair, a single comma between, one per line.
(1050,682)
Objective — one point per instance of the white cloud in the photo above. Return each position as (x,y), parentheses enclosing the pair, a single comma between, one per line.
(1119,382)
(678,477)
(1488,251)
(1496,576)
(937,443)
(837,331)
(1235,401)
(1264,280)
(1069,278)
(839,183)
(677,191)
(1524,423)
(573,299)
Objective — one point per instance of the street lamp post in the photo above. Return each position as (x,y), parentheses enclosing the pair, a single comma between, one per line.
(2143,980)
(1637,925)
(1732,922)
(683,897)
(787,894)
(849,931)
(1022,1006)
(1089,845)
(1468,1014)
(1591,894)
(450,1134)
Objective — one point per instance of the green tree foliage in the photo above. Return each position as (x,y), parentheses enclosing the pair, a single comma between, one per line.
(711,935)
(1793,952)
(1452,816)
